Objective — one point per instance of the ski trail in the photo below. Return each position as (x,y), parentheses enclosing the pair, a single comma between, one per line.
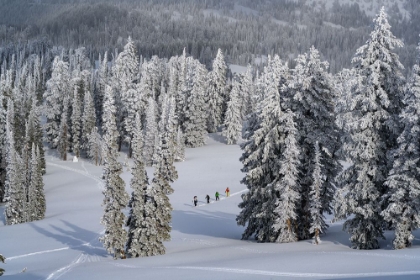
(100,183)
(221,198)
(293,274)
(82,257)
(38,253)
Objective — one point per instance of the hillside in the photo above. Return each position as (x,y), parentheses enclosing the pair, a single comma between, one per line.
(244,29)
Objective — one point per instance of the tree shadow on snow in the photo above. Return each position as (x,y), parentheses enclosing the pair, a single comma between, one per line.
(202,222)
(75,237)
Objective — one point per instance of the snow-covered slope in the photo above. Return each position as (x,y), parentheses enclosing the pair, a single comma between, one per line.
(206,242)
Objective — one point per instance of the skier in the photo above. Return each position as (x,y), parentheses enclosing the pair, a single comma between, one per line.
(227,191)
(217,195)
(195,200)
(208,198)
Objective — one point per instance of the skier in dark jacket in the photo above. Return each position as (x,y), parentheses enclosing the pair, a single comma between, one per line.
(208,198)
(195,200)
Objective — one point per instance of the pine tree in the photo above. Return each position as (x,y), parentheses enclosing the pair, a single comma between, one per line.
(313,96)
(2,147)
(94,146)
(216,92)
(115,196)
(194,125)
(37,180)
(14,195)
(180,146)
(402,199)
(88,120)
(57,89)
(35,132)
(373,130)
(233,121)
(140,220)
(260,159)
(63,137)
(126,73)
(150,131)
(318,224)
(288,187)
(76,121)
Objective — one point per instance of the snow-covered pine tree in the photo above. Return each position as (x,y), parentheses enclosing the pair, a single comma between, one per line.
(94,146)
(126,71)
(14,193)
(38,181)
(76,120)
(141,226)
(2,146)
(88,120)
(288,187)
(247,93)
(217,98)
(57,89)
(233,121)
(260,158)
(318,224)
(63,137)
(179,146)
(313,96)
(115,196)
(35,131)
(403,207)
(164,174)
(373,131)
(102,80)
(194,125)
(150,132)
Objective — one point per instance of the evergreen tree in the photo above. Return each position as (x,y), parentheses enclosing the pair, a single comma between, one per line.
(35,132)
(403,197)
(76,121)
(194,125)
(63,137)
(233,121)
(57,89)
(115,196)
(14,195)
(37,180)
(288,187)
(151,132)
(140,221)
(180,146)
(2,147)
(94,146)
(318,224)
(88,120)
(260,159)
(126,74)
(216,93)
(373,130)
(313,96)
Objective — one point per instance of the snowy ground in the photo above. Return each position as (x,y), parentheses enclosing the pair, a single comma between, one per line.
(205,241)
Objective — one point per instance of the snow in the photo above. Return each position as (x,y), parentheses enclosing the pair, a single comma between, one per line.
(206,242)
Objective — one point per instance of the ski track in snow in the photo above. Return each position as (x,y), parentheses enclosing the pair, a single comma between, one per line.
(84,173)
(83,257)
(279,273)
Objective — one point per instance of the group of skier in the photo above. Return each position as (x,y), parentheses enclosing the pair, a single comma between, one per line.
(216,195)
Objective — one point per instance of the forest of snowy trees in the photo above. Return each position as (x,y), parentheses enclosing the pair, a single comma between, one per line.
(296,125)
